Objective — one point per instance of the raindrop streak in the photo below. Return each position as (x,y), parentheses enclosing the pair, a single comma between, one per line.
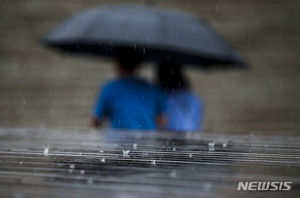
(46,151)
(207,186)
(174,149)
(18,195)
(126,153)
(190,155)
(224,144)
(72,166)
(82,172)
(211,146)
(153,162)
(103,161)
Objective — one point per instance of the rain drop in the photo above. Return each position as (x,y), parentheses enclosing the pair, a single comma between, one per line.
(126,153)
(72,166)
(190,155)
(173,174)
(211,146)
(224,144)
(82,172)
(153,162)
(46,151)
(207,186)
(134,146)
(103,161)
(17,195)
(174,149)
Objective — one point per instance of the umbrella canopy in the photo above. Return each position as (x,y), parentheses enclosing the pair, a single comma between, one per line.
(158,34)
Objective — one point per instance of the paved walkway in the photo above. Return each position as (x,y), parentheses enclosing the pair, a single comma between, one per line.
(76,163)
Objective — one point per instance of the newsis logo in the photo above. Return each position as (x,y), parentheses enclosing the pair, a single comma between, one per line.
(264,186)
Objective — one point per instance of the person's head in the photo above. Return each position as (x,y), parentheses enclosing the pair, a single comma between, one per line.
(127,61)
(170,76)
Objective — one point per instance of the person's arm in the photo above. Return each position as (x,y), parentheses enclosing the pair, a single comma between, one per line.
(161,118)
(95,122)
(161,121)
(100,109)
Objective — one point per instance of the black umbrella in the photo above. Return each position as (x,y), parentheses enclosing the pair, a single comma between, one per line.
(158,34)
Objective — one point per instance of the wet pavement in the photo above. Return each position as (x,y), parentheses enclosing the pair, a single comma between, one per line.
(89,163)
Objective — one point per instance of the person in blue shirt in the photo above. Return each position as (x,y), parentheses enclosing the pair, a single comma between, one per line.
(128,101)
(184,108)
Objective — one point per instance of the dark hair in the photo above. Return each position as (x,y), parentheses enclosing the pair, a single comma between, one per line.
(128,58)
(170,76)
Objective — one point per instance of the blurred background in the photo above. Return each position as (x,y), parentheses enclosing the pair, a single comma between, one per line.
(41,88)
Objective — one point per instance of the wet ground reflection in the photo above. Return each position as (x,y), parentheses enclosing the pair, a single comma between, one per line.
(133,164)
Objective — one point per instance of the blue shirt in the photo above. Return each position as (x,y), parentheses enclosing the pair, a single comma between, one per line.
(184,111)
(130,103)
